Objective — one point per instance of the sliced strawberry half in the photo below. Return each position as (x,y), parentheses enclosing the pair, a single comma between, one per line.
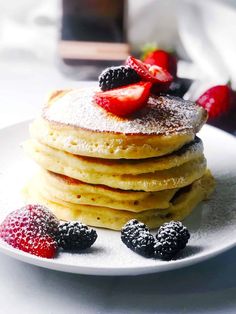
(125,100)
(163,59)
(151,73)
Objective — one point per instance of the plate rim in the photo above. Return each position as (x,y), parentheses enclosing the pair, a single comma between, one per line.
(109,271)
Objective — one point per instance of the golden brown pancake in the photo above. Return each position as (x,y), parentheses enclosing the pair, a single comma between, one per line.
(150,182)
(181,206)
(41,153)
(72,122)
(190,168)
(77,192)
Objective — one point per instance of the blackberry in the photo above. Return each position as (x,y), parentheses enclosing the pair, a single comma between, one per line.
(179,87)
(171,238)
(75,236)
(117,76)
(136,236)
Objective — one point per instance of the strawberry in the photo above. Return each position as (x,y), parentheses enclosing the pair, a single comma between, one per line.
(124,100)
(216,100)
(42,245)
(147,72)
(32,229)
(159,77)
(163,59)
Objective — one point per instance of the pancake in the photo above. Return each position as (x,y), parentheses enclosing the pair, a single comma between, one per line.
(181,206)
(43,153)
(105,170)
(72,122)
(172,178)
(77,192)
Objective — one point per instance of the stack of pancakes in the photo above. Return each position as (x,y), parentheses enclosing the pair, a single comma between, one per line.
(104,170)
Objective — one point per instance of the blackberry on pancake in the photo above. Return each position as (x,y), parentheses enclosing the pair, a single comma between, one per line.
(179,87)
(114,77)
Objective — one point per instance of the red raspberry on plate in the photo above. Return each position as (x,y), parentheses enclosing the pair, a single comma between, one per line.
(124,100)
(216,100)
(163,59)
(32,229)
(159,77)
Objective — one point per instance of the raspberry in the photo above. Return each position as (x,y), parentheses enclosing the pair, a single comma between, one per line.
(137,237)
(32,229)
(75,236)
(171,238)
(117,76)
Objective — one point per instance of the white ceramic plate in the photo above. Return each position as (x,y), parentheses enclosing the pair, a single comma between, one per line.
(212,224)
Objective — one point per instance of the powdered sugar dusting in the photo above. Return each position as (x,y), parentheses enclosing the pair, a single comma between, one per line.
(161,115)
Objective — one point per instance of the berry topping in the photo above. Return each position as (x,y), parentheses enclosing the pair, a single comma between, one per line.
(215,100)
(156,75)
(179,87)
(117,76)
(171,238)
(124,100)
(42,246)
(32,229)
(163,59)
(75,236)
(136,236)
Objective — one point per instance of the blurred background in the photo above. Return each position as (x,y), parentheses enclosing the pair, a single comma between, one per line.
(47,45)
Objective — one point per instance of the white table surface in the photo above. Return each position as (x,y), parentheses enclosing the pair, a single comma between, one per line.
(209,287)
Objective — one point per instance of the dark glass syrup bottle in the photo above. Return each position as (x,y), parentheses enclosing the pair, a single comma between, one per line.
(93,37)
